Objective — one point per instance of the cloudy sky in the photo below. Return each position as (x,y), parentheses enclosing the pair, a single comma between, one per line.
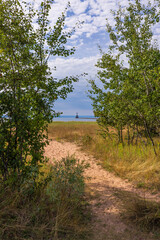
(86,39)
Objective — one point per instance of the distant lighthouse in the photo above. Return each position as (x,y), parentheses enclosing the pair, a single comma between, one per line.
(77,115)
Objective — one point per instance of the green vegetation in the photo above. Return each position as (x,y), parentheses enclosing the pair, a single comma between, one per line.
(129,71)
(137,163)
(37,201)
(27,88)
(52,207)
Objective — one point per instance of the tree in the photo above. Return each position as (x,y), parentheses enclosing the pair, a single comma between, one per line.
(27,88)
(130,97)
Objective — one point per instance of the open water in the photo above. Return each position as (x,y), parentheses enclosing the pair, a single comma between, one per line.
(65,118)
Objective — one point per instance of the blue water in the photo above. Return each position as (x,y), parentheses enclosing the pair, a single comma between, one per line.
(64,118)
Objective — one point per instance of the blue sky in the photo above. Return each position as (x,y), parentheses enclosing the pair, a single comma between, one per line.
(86,40)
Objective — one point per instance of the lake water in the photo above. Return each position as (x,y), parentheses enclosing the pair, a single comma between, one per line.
(64,118)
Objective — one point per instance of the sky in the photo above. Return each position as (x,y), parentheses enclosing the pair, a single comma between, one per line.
(86,39)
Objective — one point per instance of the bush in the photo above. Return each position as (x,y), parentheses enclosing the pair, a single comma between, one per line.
(66,190)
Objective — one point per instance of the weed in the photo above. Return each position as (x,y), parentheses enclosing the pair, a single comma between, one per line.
(86,139)
(140,185)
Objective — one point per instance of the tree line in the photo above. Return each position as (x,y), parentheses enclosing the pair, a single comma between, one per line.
(130,74)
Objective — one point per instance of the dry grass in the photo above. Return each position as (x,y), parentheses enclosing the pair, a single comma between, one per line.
(71,131)
(145,214)
(136,163)
(51,208)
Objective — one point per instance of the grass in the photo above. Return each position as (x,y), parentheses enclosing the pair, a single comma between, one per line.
(137,163)
(53,207)
(140,211)
(71,131)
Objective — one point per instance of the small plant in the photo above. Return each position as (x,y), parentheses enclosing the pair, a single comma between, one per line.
(87,139)
(141,185)
(66,190)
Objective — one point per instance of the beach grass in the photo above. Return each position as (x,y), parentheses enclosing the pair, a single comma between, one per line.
(136,163)
(50,207)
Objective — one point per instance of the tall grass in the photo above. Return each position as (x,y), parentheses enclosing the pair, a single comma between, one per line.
(137,163)
(140,211)
(53,207)
(71,131)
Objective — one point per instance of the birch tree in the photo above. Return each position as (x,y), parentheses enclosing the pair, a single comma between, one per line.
(27,88)
(130,73)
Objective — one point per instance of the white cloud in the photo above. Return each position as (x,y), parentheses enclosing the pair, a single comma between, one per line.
(74,66)
(78,7)
(92,12)
(94,19)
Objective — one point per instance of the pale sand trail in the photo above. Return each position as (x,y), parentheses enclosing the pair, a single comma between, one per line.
(102,185)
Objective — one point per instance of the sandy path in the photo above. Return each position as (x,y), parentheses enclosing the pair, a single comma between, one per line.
(103,187)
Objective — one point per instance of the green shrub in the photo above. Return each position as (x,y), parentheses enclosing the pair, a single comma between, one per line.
(66,190)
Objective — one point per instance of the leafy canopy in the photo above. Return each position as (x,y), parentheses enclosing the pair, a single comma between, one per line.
(130,73)
(27,88)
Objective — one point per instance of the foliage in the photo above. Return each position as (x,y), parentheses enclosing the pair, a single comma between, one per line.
(67,180)
(27,88)
(55,205)
(130,74)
